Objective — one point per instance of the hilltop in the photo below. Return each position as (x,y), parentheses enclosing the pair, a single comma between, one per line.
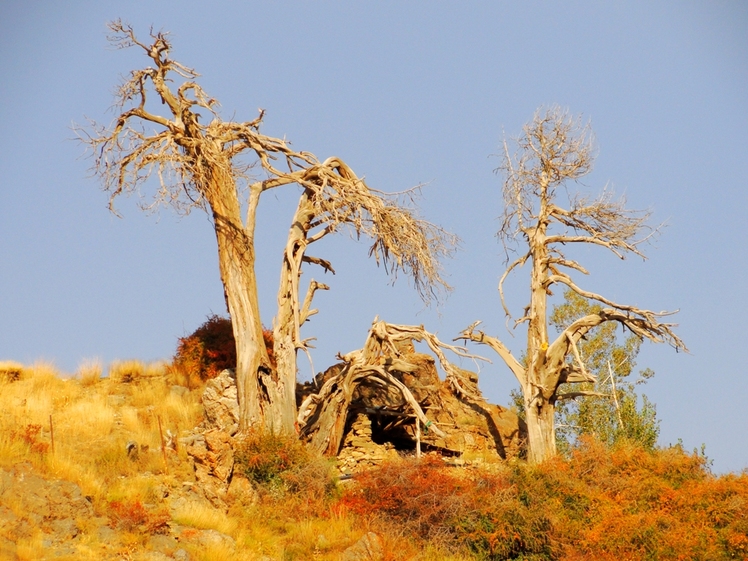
(102,468)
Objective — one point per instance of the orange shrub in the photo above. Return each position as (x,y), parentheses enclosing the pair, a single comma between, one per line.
(30,435)
(211,349)
(131,516)
(601,503)
(451,510)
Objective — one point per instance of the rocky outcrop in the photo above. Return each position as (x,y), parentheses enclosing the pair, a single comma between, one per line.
(381,423)
(213,455)
(29,504)
(210,446)
(359,451)
(221,404)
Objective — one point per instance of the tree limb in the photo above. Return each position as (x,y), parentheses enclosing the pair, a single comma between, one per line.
(469,334)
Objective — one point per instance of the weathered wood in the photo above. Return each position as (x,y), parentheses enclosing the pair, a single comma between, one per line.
(554,149)
(196,167)
(323,414)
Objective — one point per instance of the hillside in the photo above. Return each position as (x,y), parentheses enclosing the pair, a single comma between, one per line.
(83,475)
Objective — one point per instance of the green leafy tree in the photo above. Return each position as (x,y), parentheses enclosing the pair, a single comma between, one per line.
(611,410)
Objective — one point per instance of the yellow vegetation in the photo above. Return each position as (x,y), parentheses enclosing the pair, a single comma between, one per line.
(94,417)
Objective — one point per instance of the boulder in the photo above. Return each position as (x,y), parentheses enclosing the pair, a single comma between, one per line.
(221,404)
(213,457)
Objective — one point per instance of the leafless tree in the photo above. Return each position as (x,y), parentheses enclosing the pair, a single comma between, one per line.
(556,148)
(223,166)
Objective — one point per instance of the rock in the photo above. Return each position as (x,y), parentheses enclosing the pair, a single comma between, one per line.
(52,507)
(213,538)
(181,555)
(241,492)
(221,404)
(105,534)
(220,454)
(214,463)
(163,544)
(368,548)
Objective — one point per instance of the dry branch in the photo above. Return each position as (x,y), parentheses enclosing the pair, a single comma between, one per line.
(194,157)
(554,149)
(322,415)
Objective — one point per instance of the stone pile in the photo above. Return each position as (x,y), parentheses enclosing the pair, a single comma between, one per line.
(359,451)
(381,425)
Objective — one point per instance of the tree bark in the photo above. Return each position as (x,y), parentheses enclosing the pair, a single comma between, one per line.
(541,434)
(236,260)
(540,383)
(287,322)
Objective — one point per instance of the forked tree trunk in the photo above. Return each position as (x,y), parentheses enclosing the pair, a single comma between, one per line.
(261,397)
(539,391)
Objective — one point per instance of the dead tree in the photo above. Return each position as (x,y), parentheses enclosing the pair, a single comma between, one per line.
(556,148)
(208,166)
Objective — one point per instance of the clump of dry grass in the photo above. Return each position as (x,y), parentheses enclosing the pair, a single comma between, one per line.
(133,371)
(10,371)
(126,371)
(198,514)
(89,371)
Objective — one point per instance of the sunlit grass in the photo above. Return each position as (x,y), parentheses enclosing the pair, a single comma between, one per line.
(126,371)
(10,371)
(198,514)
(89,371)
(89,419)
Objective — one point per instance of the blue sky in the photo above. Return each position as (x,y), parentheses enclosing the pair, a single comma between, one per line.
(406,93)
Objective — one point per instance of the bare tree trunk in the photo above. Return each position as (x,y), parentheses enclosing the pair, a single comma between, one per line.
(539,415)
(538,405)
(236,260)
(290,316)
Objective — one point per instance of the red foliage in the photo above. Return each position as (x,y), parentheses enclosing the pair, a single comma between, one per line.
(30,435)
(211,349)
(625,503)
(132,516)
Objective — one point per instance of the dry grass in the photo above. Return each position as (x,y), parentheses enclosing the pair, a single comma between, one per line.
(89,371)
(10,371)
(203,516)
(94,418)
(126,371)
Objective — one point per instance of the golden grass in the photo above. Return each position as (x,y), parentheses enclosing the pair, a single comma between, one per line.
(30,548)
(129,371)
(10,371)
(88,419)
(126,371)
(89,371)
(94,418)
(203,516)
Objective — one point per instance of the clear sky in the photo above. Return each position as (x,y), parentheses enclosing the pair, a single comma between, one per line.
(406,93)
